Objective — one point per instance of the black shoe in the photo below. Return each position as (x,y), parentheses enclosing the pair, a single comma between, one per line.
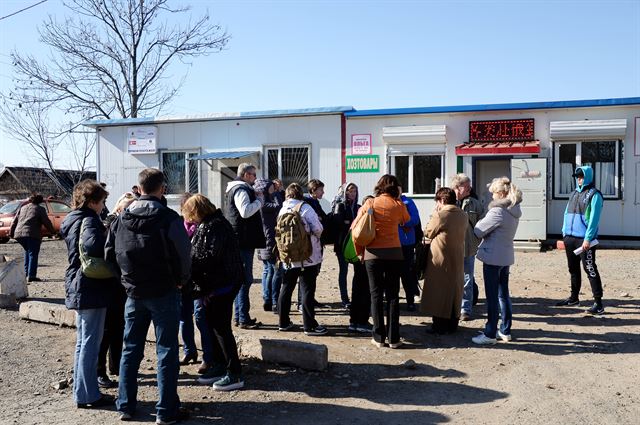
(251,324)
(596,309)
(105,382)
(103,401)
(182,415)
(189,358)
(267,306)
(568,302)
(34,279)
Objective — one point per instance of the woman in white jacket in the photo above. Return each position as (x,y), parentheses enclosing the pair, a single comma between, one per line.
(308,268)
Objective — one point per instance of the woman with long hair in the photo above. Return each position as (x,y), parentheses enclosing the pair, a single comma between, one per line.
(497,230)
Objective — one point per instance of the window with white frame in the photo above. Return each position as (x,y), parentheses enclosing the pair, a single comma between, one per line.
(181,175)
(602,155)
(418,173)
(289,164)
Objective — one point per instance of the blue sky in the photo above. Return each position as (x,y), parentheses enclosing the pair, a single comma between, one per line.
(384,54)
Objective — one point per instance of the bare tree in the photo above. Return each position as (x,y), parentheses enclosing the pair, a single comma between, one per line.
(110,58)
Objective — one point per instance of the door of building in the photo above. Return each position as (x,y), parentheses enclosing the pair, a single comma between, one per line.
(530,175)
(485,171)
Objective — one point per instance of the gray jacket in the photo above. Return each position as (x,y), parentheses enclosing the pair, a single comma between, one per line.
(475,211)
(497,230)
(28,222)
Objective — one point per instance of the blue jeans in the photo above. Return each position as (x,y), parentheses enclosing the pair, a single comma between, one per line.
(469,281)
(138,314)
(496,289)
(271,281)
(343,270)
(186,326)
(242,303)
(199,312)
(89,329)
(31,248)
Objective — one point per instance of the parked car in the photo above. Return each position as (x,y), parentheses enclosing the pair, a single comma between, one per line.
(56,210)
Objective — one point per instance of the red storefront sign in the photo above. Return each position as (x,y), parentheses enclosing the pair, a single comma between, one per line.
(501,130)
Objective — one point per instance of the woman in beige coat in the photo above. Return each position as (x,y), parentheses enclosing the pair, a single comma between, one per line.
(444,279)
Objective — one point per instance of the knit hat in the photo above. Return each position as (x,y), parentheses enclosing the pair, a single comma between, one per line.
(262,185)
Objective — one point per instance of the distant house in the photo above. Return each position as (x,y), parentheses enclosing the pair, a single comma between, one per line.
(21,182)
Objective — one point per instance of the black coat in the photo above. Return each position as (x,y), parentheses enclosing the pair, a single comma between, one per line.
(343,215)
(216,265)
(269,211)
(82,292)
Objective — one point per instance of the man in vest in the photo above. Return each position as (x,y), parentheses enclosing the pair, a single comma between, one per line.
(150,246)
(469,203)
(242,210)
(580,229)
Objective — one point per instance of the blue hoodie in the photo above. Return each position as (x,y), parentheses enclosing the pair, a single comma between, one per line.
(581,221)
(407,232)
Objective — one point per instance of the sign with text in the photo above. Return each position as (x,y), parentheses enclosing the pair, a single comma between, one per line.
(501,131)
(362,163)
(360,144)
(141,140)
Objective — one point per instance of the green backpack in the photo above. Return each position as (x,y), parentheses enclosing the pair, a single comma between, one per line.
(349,250)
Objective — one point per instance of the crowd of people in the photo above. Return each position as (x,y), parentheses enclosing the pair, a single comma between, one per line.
(144,263)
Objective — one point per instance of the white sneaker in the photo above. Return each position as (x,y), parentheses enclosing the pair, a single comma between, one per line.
(482,339)
(376,343)
(395,345)
(504,337)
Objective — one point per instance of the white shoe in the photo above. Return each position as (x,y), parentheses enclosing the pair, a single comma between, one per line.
(396,345)
(505,338)
(376,343)
(482,339)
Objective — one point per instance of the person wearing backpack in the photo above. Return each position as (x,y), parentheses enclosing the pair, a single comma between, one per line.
(298,232)
(344,212)
(383,259)
(150,247)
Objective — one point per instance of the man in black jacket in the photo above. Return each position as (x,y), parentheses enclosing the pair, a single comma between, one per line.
(151,248)
(242,210)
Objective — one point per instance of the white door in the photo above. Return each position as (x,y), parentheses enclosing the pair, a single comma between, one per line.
(530,175)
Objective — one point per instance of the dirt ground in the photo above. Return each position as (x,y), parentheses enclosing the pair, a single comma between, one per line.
(562,366)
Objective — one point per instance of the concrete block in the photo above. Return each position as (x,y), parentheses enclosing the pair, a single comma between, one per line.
(40,311)
(12,279)
(301,354)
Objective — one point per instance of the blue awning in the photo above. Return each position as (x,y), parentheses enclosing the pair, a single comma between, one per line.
(222,155)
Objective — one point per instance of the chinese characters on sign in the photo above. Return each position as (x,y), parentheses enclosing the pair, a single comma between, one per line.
(141,140)
(501,131)
(360,144)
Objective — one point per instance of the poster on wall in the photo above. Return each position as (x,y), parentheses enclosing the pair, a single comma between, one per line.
(636,150)
(360,144)
(141,140)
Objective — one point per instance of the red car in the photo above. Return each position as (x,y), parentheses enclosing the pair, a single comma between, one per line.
(56,210)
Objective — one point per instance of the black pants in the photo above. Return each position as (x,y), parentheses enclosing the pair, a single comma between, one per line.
(360,296)
(408,275)
(588,259)
(112,337)
(218,311)
(307,289)
(384,281)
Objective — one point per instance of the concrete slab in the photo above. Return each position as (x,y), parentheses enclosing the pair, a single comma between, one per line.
(12,279)
(296,353)
(44,312)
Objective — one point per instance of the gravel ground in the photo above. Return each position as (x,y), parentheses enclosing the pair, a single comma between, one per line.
(562,366)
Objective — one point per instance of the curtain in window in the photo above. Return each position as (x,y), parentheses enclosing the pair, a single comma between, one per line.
(567,182)
(605,177)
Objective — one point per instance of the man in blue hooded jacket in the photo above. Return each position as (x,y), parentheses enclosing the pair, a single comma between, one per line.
(579,230)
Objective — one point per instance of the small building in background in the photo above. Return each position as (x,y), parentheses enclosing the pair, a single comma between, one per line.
(22,182)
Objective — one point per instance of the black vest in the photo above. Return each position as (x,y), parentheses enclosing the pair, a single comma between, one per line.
(248,230)
(579,201)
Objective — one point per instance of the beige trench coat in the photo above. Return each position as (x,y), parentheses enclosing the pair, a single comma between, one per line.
(442,292)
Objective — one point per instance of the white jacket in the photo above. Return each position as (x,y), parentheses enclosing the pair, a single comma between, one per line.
(312,225)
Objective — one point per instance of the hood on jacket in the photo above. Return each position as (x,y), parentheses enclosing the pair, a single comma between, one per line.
(70,220)
(235,183)
(143,216)
(505,203)
(341,194)
(588,177)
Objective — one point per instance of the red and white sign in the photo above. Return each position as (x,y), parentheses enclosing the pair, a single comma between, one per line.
(141,140)
(360,144)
